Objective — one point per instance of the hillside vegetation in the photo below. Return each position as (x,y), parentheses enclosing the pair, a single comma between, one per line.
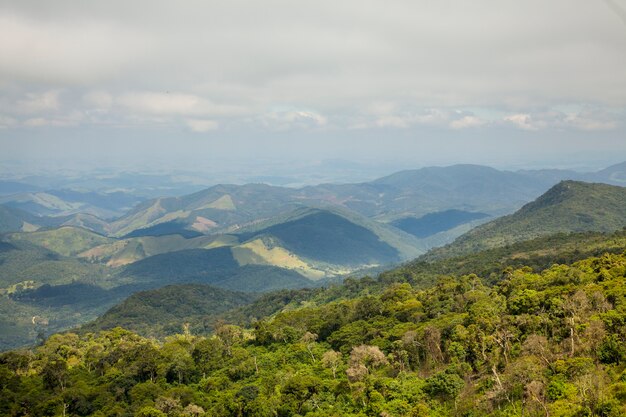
(535,344)
(490,266)
(65,240)
(166,310)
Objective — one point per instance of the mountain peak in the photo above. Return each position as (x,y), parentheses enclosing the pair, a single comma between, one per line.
(569,206)
(569,190)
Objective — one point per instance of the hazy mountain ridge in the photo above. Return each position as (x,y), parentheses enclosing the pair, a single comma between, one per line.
(433,223)
(570,206)
(412,192)
(402,194)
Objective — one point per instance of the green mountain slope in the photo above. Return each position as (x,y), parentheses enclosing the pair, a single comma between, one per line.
(160,312)
(16,220)
(125,251)
(569,206)
(492,265)
(87,221)
(42,292)
(538,343)
(211,266)
(66,240)
(327,236)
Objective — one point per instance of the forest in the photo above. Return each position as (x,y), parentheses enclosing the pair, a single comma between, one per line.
(532,343)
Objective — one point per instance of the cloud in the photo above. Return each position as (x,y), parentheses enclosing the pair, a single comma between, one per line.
(393,121)
(522,121)
(38,103)
(467,122)
(293,119)
(593,120)
(390,115)
(164,103)
(72,119)
(412,72)
(98,99)
(585,120)
(65,51)
(202,125)
(173,104)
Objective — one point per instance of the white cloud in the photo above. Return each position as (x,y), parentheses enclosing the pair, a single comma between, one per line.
(293,119)
(592,120)
(67,51)
(163,103)
(202,125)
(405,119)
(522,121)
(467,122)
(585,120)
(70,120)
(174,104)
(98,99)
(414,69)
(38,103)
(394,121)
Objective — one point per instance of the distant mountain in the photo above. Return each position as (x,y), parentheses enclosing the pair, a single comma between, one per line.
(163,229)
(16,220)
(85,221)
(464,187)
(14,187)
(615,174)
(216,267)
(129,250)
(210,210)
(569,206)
(65,240)
(336,238)
(67,202)
(411,193)
(161,312)
(316,243)
(433,223)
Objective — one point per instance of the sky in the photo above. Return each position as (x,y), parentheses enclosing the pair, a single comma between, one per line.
(496,82)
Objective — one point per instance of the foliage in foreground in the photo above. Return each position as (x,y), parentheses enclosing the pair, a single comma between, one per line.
(535,344)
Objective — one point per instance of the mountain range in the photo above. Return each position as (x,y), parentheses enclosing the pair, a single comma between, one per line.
(224,208)
(69,269)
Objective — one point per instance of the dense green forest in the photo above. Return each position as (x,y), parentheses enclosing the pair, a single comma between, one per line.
(547,343)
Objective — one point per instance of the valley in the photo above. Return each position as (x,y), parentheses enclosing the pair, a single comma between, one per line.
(69,269)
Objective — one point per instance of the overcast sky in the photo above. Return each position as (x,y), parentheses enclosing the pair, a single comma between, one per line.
(430,82)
